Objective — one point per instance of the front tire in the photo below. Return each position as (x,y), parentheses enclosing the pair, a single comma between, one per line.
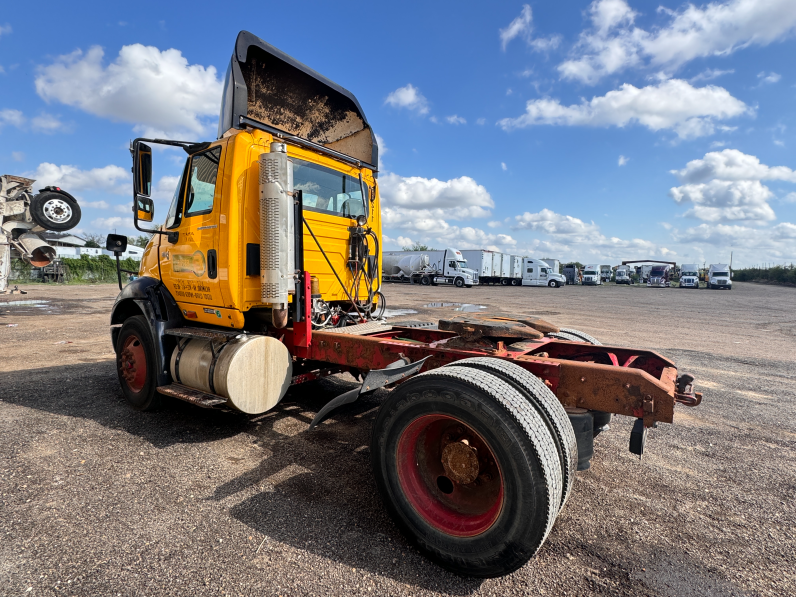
(136,364)
(552,284)
(468,469)
(459,282)
(53,211)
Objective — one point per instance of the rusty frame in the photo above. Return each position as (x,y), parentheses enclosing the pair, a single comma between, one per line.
(635,383)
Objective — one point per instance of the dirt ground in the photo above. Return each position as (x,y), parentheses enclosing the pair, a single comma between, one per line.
(98,499)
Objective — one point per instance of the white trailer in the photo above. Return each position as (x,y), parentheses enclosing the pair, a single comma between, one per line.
(497,267)
(689,275)
(719,276)
(591,275)
(482,262)
(555,265)
(505,269)
(536,272)
(516,270)
(446,267)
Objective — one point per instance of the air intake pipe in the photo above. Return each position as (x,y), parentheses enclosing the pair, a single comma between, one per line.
(277,231)
(36,252)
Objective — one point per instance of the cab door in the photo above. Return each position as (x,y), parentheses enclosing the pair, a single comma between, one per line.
(189,255)
(543,276)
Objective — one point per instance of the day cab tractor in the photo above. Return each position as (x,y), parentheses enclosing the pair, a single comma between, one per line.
(266,274)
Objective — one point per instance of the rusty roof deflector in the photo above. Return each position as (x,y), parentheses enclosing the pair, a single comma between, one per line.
(267,86)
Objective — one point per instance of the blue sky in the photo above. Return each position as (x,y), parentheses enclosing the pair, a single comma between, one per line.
(596,131)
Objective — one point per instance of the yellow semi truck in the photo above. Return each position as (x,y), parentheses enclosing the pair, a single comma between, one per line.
(266,273)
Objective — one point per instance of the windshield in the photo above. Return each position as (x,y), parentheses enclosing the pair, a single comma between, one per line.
(693,274)
(657,272)
(721,274)
(589,273)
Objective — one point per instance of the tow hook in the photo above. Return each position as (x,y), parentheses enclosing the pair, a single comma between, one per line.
(685,393)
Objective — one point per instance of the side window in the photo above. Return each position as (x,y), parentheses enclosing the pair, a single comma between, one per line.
(530,270)
(202,182)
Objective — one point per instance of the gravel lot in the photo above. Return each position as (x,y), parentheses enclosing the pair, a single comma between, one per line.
(98,499)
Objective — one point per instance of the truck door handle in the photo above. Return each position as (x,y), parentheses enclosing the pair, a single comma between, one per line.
(212,264)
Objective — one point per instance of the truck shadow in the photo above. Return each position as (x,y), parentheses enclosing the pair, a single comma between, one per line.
(314,490)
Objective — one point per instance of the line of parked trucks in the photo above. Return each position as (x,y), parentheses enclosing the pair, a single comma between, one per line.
(469,268)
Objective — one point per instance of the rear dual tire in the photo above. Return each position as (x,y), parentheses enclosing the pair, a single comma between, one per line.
(468,466)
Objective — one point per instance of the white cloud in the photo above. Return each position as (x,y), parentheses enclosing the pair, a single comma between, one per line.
(726,186)
(503,166)
(165,187)
(494,224)
(481,121)
(789,198)
(522,27)
(17,156)
(731,164)
(157,91)
(47,123)
(751,245)
(11,117)
(623,160)
(613,43)
(710,74)
(383,149)
(572,238)
(111,179)
(716,144)
(5,29)
(420,208)
(519,27)
(768,78)
(724,200)
(455,119)
(408,97)
(673,104)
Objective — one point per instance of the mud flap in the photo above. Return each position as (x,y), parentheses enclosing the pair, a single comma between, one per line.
(375,379)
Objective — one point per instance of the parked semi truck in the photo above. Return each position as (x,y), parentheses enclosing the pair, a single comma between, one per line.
(591,275)
(689,275)
(623,275)
(719,276)
(660,276)
(447,267)
(606,271)
(536,272)
(266,273)
(571,273)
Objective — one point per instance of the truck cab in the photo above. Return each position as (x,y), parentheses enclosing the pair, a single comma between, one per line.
(591,275)
(536,272)
(719,277)
(660,276)
(622,275)
(689,275)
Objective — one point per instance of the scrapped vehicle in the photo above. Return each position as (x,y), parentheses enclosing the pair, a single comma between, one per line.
(689,275)
(660,276)
(591,276)
(606,272)
(24,215)
(571,273)
(719,276)
(266,274)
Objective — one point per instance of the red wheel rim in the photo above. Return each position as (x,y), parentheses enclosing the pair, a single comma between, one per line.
(132,363)
(449,475)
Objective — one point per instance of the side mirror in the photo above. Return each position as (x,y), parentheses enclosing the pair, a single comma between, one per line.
(144,208)
(142,163)
(116,243)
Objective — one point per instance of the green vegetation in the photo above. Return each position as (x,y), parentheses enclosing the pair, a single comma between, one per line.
(85,270)
(417,247)
(779,274)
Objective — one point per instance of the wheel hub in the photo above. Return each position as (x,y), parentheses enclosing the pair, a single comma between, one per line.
(132,363)
(460,462)
(57,210)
